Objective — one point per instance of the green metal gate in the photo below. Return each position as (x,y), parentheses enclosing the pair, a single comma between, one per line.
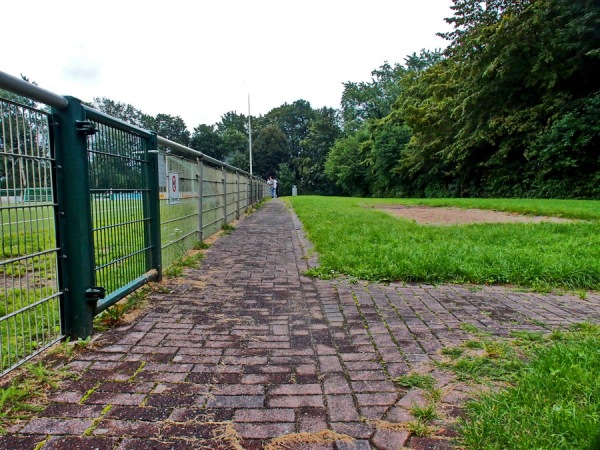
(110,220)
(80,213)
(29,270)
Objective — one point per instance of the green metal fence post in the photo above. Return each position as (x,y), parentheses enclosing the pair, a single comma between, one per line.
(224,195)
(237,182)
(152,207)
(200,200)
(77,246)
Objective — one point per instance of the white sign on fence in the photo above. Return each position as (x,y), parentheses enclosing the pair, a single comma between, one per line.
(173,187)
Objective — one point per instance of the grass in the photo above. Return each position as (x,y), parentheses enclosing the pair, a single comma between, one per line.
(354,239)
(553,401)
(23,396)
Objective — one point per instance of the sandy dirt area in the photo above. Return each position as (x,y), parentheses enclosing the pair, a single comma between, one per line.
(456,216)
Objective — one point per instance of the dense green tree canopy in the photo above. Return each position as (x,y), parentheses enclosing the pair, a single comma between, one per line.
(509,108)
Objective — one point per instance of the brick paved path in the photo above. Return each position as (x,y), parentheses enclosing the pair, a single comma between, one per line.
(245,349)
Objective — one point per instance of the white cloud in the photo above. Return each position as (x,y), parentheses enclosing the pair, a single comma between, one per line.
(193,59)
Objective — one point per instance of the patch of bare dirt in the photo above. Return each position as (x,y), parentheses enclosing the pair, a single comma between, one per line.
(428,215)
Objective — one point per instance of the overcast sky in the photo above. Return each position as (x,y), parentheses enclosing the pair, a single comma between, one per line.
(199,59)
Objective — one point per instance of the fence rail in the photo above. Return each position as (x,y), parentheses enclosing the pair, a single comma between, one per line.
(91,209)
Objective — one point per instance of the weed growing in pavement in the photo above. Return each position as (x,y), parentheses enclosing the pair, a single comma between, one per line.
(201,245)
(547,390)
(417,380)
(425,413)
(227,228)
(191,260)
(25,394)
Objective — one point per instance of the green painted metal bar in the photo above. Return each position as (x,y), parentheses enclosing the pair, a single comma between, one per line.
(117,295)
(200,200)
(152,208)
(224,181)
(77,246)
(99,116)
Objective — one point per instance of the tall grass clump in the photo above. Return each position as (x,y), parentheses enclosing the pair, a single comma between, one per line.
(553,404)
(355,239)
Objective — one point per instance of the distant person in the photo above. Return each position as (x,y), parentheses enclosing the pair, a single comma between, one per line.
(274,188)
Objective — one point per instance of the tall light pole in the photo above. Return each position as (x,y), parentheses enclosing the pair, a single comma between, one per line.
(249,132)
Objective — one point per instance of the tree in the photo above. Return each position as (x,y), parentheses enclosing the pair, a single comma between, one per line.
(324,129)
(364,101)
(269,150)
(171,127)
(206,140)
(232,121)
(346,164)
(294,120)
(123,111)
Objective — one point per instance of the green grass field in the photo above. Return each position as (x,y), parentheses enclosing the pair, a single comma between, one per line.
(552,402)
(354,239)
(548,389)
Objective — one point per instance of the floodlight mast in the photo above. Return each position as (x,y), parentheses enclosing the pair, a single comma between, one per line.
(249,133)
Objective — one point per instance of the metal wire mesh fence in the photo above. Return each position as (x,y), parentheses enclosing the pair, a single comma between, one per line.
(118,188)
(90,210)
(179,214)
(29,290)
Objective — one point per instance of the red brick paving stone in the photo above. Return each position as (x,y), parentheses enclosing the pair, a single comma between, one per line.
(342,409)
(66,397)
(188,430)
(201,414)
(356,445)
(146,413)
(80,443)
(264,431)
(373,386)
(311,446)
(373,412)
(56,426)
(180,389)
(71,410)
(153,444)
(455,398)
(311,424)
(236,401)
(78,366)
(295,389)
(390,440)
(108,398)
(264,415)
(364,375)
(238,389)
(162,377)
(411,398)
(118,428)
(126,387)
(336,384)
(399,415)
(417,443)
(384,399)
(357,430)
(161,368)
(8,442)
(295,401)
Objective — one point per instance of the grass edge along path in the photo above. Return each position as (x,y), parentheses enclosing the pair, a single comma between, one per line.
(552,401)
(369,244)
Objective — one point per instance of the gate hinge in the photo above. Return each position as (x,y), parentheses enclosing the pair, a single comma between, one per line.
(86,127)
(95,293)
